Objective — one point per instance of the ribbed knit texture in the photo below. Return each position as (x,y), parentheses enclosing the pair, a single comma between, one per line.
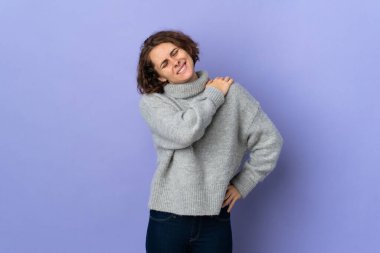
(201,137)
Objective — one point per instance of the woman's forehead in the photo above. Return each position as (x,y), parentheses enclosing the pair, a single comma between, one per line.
(161,51)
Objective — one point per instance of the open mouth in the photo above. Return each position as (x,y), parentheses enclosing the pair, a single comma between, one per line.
(182,68)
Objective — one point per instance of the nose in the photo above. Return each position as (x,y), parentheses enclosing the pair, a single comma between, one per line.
(174,62)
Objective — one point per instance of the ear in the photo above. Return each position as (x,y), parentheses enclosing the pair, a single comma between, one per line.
(162,79)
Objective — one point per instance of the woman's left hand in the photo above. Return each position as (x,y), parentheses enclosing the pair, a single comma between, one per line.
(232,195)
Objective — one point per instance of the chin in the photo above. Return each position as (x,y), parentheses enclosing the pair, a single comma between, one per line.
(185,78)
(189,79)
(190,75)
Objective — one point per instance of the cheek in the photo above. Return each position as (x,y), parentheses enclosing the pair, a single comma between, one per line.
(164,73)
(160,72)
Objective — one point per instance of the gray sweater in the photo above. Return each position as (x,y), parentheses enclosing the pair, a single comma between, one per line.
(201,137)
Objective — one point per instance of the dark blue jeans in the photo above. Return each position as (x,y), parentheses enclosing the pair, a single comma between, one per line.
(172,233)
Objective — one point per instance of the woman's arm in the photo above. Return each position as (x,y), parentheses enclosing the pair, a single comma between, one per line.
(176,129)
(264,143)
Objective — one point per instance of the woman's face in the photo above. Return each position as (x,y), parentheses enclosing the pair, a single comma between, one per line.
(172,63)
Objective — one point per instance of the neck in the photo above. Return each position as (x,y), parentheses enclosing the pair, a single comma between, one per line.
(191,88)
(194,77)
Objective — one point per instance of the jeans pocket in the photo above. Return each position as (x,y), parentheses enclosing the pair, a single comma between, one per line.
(160,215)
(223,216)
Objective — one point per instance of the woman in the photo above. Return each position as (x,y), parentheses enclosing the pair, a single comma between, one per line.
(201,129)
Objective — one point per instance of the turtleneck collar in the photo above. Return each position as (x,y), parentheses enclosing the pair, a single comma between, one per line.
(189,89)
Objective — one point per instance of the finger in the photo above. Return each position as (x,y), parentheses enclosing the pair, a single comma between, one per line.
(227,196)
(227,202)
(231,205)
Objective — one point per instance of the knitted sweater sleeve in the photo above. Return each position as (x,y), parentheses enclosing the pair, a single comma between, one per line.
(264,143)
(173,128)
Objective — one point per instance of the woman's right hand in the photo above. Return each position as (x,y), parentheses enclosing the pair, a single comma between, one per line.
(221,83)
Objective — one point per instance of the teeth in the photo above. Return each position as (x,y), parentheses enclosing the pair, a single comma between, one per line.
(181,69)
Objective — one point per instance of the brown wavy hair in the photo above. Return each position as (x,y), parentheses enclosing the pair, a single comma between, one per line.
(147,77)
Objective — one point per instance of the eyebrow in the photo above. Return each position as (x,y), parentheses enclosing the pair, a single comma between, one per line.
(171,53)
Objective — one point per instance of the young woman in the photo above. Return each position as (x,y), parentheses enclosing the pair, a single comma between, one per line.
(201,129)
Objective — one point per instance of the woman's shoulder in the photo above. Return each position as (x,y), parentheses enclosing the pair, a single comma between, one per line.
(241,93)
(152,99)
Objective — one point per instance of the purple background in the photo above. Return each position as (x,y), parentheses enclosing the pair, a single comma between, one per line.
(77,158)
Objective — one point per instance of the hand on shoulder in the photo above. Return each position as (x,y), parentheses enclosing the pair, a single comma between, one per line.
(221,83)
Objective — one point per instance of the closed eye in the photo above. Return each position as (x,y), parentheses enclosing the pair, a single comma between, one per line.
(174,52)
(164,64)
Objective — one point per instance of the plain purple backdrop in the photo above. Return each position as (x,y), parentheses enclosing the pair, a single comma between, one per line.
(76,158)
